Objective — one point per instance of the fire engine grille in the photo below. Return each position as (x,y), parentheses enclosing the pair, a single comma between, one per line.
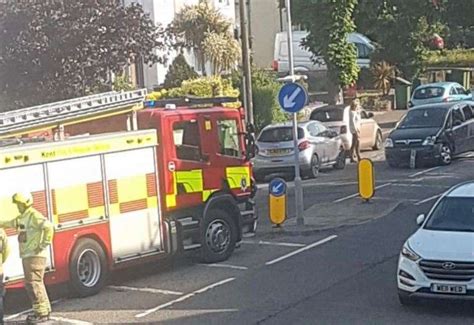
(445,270)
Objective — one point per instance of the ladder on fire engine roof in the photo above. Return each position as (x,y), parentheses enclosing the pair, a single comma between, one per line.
(190,101)
(64,112)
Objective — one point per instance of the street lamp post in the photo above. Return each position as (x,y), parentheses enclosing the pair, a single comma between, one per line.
(298,185)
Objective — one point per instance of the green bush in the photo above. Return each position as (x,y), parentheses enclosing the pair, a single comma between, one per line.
(451,58)
(265,90)
(178,72)
(214,86)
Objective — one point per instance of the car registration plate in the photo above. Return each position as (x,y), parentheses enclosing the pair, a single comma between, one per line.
(278,152)
(448,288)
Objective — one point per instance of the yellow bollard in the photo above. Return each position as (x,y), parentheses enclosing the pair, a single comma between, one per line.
(366,179)
(277,201)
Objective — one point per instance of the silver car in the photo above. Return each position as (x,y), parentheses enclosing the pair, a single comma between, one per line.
(318,147)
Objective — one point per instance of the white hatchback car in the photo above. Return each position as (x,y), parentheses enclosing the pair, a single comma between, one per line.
(336,117)
(437,261)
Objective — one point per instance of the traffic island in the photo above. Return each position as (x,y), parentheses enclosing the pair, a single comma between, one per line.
(330,216)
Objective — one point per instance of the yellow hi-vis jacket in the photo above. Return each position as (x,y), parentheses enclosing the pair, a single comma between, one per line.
(4,252)
(35,233)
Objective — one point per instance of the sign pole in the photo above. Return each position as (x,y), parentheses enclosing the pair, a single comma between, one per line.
(298,185)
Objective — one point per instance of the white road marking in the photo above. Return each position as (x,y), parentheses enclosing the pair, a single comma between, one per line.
(424,172)
(428,199)
(356,194)
(148,290)
(10,317)
(318,243)
(261,242)
(226,266)
(63,320)
(183,298)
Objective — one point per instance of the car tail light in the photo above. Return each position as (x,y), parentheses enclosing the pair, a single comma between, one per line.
(303,145)
(275,65)
(343,129)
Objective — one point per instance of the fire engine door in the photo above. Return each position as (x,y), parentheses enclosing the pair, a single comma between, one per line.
(135,219)
(20,179)
(191,159)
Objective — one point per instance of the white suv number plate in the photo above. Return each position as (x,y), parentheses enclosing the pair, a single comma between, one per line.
(448,288)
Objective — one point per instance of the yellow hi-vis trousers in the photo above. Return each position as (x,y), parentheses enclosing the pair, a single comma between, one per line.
(34,268)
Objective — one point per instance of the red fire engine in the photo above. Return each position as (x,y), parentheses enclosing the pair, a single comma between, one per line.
(125,184)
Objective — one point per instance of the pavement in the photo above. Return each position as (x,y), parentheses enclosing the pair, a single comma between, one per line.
(343,272)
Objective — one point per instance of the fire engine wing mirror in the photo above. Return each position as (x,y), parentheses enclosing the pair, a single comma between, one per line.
(250,147)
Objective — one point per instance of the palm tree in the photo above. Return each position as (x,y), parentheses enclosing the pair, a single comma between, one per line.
(191,25)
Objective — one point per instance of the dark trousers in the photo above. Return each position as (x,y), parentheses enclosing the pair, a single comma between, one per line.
(2,295)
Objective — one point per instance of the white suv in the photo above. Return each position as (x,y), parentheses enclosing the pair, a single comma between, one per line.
(437,261)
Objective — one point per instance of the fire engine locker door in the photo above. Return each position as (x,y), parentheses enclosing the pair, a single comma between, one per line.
(133,209)
(20,179)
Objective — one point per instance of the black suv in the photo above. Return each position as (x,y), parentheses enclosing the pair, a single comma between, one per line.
(431,133)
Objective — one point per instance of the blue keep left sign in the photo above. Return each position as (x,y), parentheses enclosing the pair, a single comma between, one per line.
(277,187)
(292,97)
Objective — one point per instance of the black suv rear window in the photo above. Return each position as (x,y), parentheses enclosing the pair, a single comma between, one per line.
(328,115)
(429,92)
(279,134)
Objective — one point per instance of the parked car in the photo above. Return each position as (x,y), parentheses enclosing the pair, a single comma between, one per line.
(437,261)
(336,117)
(432,133)
(318,147)
(303,58)
(439,92)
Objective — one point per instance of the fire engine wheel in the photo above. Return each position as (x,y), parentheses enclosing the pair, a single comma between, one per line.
(219,236)
(88,268)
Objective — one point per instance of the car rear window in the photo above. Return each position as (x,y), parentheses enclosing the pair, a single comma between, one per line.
(328,115)
(429,92)
(279,134)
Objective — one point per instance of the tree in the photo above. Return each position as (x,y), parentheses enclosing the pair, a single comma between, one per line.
(178,72)
(328,38)
(53,50)
(403,30)
(193,24)
(222,50)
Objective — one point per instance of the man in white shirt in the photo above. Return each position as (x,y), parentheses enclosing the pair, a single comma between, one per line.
(354,128)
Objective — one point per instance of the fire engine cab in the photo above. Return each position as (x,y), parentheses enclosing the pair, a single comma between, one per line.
(125,184)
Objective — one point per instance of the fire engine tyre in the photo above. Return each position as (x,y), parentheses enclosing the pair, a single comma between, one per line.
(88,268)
(219,234)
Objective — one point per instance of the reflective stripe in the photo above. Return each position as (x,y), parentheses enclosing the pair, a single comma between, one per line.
(235,176)
(170,200)
(191,180)
(206,194)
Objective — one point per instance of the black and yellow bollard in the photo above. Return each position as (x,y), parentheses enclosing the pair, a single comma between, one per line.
(366,179)
(277,201)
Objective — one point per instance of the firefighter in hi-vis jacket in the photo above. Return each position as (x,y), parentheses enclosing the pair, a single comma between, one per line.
(4,251)
(35,234)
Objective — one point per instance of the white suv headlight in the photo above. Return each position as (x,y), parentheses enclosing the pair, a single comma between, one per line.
(429,141)
(388,143)
(409,253)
